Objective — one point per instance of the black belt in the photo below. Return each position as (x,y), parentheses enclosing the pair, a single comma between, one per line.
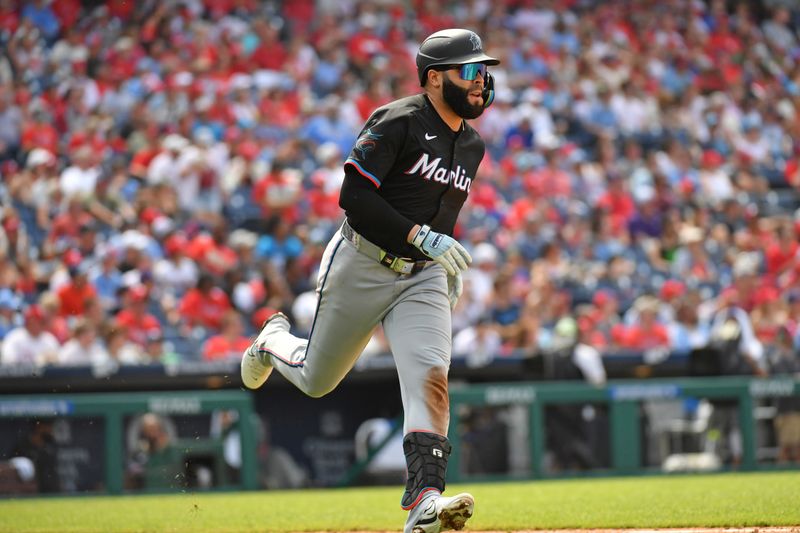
(401,265)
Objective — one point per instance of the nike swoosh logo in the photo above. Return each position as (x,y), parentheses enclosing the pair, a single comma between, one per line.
(430,137)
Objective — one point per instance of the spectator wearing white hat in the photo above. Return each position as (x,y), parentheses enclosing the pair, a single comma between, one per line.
(480,278)
(31,343)
(80,178)
(477,344)
(36,185)
(175,273)
(84,348)
(165,166)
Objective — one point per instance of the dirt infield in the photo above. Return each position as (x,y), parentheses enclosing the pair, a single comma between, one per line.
(686,530)
(793,529)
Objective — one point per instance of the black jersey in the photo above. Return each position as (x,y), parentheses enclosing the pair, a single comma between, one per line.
(421,167)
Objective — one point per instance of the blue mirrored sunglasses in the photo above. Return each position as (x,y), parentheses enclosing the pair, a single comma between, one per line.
(470,71)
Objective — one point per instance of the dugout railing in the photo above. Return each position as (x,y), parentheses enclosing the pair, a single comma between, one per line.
(113,408)
(623,399)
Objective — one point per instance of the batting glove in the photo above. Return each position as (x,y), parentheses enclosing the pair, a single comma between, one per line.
(455,286)
(443,249)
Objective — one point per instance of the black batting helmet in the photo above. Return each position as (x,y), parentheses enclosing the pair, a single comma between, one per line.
(451,47)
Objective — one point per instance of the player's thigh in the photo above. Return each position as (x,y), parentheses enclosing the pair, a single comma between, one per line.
(418,329)
(418,326)
(353,295)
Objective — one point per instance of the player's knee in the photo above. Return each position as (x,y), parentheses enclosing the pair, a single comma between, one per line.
(319,390)
(436,399)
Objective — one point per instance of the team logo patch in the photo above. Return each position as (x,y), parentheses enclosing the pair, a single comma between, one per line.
(366,143)
(476,42)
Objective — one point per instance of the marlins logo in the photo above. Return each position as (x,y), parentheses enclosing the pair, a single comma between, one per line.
(476,42)
(366,143)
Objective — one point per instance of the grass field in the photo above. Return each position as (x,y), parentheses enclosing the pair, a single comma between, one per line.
(723,500)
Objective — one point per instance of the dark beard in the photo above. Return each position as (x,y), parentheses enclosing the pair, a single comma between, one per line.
(458,100)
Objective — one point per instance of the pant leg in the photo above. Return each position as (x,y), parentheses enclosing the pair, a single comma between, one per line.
(354,293)
(418,329)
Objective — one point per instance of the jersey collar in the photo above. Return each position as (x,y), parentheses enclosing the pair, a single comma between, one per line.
(443,127)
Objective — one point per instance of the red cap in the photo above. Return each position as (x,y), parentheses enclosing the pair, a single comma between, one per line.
(34,312)
(248,149)
(766,295)
(602,297)
(149,214)
(672,288)
(72,257)
(175,243)
(137,293)
(585,324)
(232,133)
(712,158)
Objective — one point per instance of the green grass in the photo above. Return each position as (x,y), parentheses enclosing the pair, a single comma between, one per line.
(745,499)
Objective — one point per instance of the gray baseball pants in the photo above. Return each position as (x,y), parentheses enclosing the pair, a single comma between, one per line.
(355,293)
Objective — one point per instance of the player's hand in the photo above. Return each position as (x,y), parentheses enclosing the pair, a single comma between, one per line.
(443,249)
(455,286)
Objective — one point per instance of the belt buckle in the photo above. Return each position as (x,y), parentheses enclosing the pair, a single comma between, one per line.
(404,267)
(397,264)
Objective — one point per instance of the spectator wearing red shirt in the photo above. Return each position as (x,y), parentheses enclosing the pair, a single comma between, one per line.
(204,305)
(746,283)
(326,181)
(280,107)
(134,316)
(433,16)
(618,202)
(769,315)
(671,294)
(375,95)
(211,251)
(123,58)
(9,17)
(603,316)
(365,43)
(230,342)
(646,333)
(73,295)
(279,192)
(57,324)
(270,53)
(67,12)
(781,253)
(300,14)
(40,133)
(121,9)
(551,181)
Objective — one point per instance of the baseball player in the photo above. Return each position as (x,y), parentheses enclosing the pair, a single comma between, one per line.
(396,263)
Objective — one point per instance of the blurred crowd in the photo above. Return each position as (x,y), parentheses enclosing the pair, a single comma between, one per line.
(170,172)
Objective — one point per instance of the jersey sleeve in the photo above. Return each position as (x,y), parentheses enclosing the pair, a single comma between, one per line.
(377,146)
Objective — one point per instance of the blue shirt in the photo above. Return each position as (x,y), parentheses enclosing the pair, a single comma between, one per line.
(43,18)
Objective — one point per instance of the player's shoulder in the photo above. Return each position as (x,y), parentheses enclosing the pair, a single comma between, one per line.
(400,109)
(470,132)
(470,136)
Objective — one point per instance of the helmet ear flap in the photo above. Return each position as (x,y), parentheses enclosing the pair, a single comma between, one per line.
(488,90)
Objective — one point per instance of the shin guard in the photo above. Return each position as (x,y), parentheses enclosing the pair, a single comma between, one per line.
(426,459)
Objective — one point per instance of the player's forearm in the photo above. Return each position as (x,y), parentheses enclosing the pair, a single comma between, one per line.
(412,233)
(360,199)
